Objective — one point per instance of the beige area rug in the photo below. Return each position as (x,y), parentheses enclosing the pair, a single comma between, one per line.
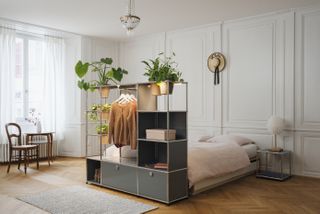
(82,200)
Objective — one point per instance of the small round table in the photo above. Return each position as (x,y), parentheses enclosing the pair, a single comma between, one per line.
(49,135)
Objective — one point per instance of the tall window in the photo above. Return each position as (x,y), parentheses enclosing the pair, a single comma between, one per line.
(28,76)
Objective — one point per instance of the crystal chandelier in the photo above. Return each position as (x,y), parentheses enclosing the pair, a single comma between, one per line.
(130,21)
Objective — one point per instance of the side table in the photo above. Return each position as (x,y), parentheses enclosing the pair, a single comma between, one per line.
(49,135)
(274,165)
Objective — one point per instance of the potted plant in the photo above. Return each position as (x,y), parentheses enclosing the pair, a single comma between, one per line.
(103,131)
(103,109)
(105,73)
(162,72)
(152,72)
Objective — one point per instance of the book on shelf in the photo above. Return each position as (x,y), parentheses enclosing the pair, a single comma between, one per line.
(157,166)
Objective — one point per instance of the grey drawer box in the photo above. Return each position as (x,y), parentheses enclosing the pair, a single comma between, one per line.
(153,184)
(119,177)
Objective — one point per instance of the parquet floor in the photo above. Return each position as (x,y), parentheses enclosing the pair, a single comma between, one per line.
(247,195)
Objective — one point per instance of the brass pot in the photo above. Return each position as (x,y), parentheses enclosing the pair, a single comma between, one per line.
(104,139)
(104,115)
(164,88)
(104,92)
(155,90)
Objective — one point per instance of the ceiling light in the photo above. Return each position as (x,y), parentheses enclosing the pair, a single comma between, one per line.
(130,21)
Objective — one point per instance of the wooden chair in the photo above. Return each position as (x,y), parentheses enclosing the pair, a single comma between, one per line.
(16,145)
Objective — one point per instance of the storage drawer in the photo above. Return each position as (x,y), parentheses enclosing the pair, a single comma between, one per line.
(119,177)
(153,184)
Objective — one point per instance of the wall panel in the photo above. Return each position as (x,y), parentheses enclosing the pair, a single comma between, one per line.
(254,86)
(307,69)
(192,47)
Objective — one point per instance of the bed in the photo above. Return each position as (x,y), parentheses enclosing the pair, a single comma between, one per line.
(219,160)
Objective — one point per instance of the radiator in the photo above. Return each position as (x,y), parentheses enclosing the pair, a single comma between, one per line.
(4,149)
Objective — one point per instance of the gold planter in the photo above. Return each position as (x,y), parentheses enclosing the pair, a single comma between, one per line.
(104,92)
(164,88)
(104,115)
(155,90)
(104,139)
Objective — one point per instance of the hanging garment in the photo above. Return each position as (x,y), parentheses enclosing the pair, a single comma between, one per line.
(122,124)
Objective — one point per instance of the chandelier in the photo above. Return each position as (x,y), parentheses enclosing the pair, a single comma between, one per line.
(130,21)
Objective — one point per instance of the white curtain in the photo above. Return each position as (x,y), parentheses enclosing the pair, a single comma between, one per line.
(7,72)
(53,109)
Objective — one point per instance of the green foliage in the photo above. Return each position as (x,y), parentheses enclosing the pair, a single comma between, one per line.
(159,70)
(102,129)
(95,108)
(104,71)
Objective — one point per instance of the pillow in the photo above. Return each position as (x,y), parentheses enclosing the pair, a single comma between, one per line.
(205,138)
(231,138)
(126,152)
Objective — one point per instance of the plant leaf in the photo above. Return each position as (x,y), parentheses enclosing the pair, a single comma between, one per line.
(81,69)
(107,61)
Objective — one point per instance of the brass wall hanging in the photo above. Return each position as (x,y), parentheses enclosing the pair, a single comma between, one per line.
(216,63)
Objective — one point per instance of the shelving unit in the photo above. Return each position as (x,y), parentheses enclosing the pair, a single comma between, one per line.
(137,175)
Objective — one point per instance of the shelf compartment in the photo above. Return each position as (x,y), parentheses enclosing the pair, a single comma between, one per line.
(151,152)
(93,171)
(158,120)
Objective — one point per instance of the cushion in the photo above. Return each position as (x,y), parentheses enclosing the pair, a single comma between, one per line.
(205,138)
(231,138)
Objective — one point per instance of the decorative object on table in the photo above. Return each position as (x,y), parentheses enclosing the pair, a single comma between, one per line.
(275,126)
(274,165)
(216,64)
(34,118)
(164,73)
(81,200)
(130,21)
(105,73)
(102,109)
(161,134)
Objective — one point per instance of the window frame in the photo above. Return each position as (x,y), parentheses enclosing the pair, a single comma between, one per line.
(25,69)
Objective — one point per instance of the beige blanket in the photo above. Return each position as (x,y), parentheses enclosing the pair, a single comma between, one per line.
(208,160)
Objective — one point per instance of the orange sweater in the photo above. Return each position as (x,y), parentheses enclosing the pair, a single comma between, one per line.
(122,125)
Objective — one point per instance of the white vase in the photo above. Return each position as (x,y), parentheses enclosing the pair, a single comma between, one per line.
(38,126)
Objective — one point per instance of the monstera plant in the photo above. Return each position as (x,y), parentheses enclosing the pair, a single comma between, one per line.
(105,74)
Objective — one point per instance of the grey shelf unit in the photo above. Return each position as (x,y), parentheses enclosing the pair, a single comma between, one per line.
(136,175)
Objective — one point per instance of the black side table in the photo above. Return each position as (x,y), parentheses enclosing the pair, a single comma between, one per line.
(274,165)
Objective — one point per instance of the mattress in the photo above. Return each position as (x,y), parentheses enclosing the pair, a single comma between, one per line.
(251,150)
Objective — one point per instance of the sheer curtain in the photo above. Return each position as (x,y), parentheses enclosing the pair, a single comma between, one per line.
(53,109)
(7,72)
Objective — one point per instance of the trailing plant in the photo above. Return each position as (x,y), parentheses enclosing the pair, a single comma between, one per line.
(102,129)
(159,70)
(104,70)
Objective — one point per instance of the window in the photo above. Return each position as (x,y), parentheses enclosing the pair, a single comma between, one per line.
(28,76)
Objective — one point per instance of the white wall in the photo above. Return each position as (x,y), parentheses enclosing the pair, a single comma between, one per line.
(272,69)
(87,49)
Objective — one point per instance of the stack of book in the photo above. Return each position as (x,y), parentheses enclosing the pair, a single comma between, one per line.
(97,175)
(160,166)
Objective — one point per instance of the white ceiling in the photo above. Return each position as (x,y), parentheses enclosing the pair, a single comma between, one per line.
(100,18)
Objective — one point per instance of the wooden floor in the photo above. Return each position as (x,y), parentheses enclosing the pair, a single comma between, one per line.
(247,195)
